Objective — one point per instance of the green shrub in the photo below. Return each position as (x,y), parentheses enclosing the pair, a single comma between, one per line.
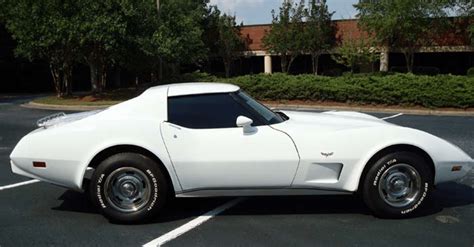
(417,70)
(396,89)
(470,72)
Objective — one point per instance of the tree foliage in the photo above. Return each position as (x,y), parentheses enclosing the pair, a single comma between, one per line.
(403,24)
(102,28)
(353,52)
(319,31)
(129,33)
(229,41)
(44,30)
(286,34)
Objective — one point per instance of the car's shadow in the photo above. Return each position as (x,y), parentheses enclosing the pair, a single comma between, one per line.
(446,196)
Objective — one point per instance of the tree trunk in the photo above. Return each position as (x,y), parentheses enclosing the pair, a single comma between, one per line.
(160,69)
(409,57)
(284,64)
(94,77)
(102,77)
(227,65)
(67,79)
(292,59)
(56,74)
(315,62)
(384,59)
(117,77)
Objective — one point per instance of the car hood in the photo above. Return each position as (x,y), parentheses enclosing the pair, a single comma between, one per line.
(329,121)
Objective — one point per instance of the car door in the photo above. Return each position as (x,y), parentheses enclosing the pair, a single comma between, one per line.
(209,151)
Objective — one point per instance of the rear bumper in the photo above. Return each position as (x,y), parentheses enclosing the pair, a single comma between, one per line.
(54,174)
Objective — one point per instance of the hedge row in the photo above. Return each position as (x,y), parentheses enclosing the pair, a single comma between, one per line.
(398,89)
(470,72)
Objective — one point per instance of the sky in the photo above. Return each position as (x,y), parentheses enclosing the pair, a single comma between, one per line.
(259,11)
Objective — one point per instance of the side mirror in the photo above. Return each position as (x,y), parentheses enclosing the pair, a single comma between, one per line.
(244,122)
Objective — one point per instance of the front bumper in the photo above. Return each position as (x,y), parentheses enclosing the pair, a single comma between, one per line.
(445,171)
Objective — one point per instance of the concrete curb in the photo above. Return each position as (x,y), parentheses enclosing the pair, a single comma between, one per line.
(388,110)
(283,107)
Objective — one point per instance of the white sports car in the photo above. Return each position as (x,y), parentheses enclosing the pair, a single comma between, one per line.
(211,139)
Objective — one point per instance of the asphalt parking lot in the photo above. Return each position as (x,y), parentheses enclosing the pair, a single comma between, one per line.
(41,214)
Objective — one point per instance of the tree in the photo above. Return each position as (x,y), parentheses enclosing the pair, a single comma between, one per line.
(43,30)
(353,52)
(174,36)
(102,29)
(286,34)
(229,41)
(319,31)
(406,25)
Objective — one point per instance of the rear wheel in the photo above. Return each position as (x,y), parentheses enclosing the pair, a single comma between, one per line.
(129,187)
(397,185)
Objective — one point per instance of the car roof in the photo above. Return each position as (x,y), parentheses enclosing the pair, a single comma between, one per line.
(191,88)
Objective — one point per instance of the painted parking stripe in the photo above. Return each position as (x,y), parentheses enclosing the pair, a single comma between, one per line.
(192,224)
(11,186)
(393,116)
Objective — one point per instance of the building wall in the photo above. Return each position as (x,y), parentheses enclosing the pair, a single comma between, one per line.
(457,36)
(450,52)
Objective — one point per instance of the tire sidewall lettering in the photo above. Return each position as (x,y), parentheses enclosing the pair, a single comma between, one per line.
(418,203)
(99,191)
(386,165)
(154,196)
(381,170)
(154,190)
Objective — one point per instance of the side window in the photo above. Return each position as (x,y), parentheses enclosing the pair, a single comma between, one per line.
(206,111)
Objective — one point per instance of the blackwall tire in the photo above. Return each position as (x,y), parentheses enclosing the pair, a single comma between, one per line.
(128,188)
(398,185)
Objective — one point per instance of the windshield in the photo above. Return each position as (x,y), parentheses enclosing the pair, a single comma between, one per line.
(267,114)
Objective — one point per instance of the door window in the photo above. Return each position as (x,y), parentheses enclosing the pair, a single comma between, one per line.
(207,111)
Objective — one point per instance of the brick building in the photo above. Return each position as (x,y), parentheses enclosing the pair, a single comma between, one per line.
(452,52)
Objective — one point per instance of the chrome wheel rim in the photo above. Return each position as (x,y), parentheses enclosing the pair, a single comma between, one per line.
(127,189)
(400,185)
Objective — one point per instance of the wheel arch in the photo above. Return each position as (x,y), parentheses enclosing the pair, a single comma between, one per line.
(104,154)
(392,149)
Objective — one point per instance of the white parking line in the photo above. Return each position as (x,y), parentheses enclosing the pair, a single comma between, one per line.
(18,184)
(192,224)
(393,116)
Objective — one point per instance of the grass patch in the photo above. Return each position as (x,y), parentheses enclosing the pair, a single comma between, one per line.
(74,100)
(107,98)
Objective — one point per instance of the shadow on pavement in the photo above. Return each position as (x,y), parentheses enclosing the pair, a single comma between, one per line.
(446,196)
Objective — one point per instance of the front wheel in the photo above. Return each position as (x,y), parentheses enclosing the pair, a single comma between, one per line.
(128,187)
(397,185)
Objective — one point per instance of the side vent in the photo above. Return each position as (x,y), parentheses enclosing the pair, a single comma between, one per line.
(324,173)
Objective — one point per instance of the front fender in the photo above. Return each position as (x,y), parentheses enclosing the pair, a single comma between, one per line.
(443,154)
